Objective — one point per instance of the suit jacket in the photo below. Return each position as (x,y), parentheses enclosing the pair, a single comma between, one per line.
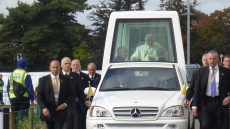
(46,96)
(84,78)
(78,92)
(202,82)
(191,88)
(96,80)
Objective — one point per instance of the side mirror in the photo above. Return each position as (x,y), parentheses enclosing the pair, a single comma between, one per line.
(86,91)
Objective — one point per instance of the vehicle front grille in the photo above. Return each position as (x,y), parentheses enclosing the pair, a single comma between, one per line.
(135,126)
(135,112)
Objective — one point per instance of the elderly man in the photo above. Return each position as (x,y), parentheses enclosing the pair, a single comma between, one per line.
(55,95)
(122,53)
(76,67)
(226,61)
(205,59)
(79,118)
(146,51)
(211,94)
(79,94)
(93,76)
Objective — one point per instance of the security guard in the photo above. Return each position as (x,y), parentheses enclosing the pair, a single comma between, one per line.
(20,77)
(1,89)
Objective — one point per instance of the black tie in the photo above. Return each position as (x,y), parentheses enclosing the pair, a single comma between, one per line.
(92,78)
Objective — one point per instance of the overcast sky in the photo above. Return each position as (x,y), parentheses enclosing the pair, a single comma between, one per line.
(206,6)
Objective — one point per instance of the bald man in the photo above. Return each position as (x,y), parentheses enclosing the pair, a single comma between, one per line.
(93,76)
(76,67)
(79,93)
(55,95)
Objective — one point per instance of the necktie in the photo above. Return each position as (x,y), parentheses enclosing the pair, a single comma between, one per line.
(56,90)
(92,78)
(213,84)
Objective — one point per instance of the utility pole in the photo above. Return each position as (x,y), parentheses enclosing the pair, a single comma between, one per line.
(188,32)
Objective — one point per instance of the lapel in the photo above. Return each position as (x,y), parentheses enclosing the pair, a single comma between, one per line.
(61,85)
(205,77)
(221,74)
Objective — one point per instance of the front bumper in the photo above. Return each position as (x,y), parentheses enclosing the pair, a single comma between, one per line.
(172,123)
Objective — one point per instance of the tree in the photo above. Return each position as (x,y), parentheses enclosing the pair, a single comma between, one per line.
(11,32)
(181,7)
(100,17)
(47,30)
(214,35)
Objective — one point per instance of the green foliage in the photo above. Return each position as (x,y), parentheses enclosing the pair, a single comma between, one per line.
(181,7)
(41,32)
(83,54)
(11,31)
(24,124)
(214,35)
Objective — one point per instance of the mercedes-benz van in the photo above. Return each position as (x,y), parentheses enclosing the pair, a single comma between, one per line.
(143,74)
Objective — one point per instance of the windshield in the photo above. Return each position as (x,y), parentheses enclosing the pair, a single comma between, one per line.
(143,40)
(140,79)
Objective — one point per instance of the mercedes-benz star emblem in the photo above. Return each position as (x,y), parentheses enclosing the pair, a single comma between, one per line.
(135,112)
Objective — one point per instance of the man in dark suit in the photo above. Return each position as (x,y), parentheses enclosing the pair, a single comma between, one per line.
(94,77)
(79,118)
(79,94)
(76,67)
(54,97)
(211,94)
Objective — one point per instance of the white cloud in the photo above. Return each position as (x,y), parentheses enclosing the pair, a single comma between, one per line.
(209,6)
(11,3)
(152,5)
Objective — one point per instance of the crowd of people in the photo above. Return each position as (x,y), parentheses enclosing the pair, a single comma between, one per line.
(63,104)
(60,94)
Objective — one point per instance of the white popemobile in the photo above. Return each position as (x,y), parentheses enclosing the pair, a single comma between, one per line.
(143,73)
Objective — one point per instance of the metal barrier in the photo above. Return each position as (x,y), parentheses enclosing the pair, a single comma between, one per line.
(26,119)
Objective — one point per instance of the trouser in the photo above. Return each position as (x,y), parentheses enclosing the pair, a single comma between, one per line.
(79,118)
(54,124)
(214,115)
(59,120)
(69,121)
(19,104)
(20,108)
(1,96)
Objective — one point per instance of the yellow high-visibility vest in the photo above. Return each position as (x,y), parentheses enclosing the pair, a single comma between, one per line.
(1,87)
(19,75)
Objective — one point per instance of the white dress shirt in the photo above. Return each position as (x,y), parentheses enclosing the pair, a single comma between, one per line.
(208,91)
(56,95)
(64,73)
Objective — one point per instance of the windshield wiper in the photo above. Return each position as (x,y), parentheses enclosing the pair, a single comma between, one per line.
(149,88)
(116,88)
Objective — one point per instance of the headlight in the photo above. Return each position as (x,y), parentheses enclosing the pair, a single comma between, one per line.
(99,112)
(173,111)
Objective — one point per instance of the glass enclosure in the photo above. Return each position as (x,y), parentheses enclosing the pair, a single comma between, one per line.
(140,79)
(148,40)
